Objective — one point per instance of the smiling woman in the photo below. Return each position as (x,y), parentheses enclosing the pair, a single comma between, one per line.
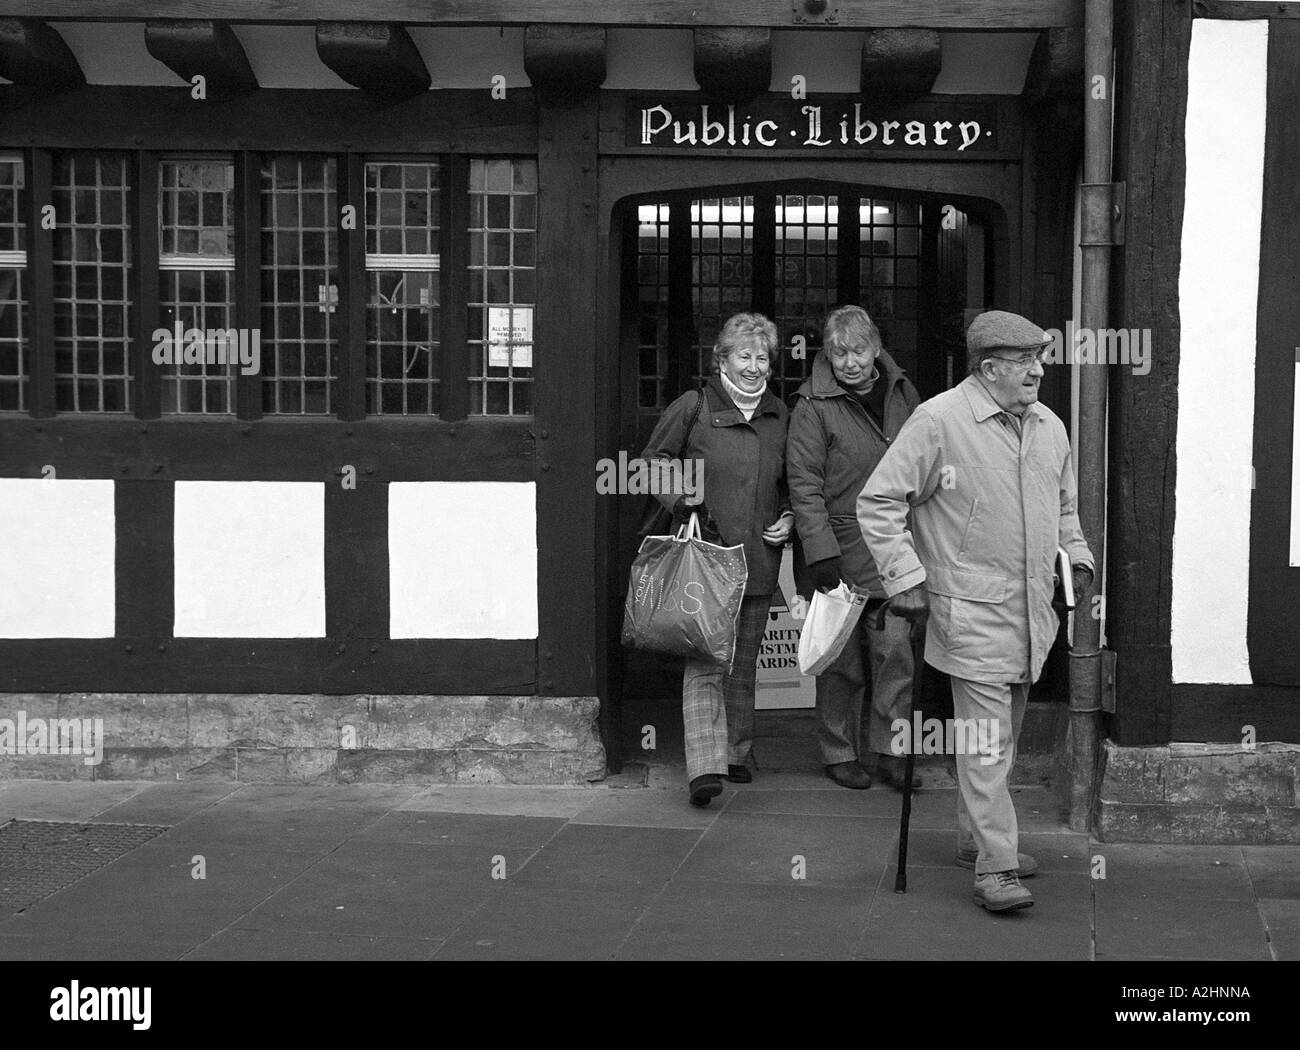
(741,440)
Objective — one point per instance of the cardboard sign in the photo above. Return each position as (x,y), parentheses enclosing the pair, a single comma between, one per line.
(510,336)
(778,683)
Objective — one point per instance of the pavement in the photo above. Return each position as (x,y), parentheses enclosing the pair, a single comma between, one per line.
(788,867)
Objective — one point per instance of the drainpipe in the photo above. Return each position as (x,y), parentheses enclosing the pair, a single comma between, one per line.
(1099,212)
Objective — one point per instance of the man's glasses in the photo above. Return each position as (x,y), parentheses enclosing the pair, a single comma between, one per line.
(1025,362)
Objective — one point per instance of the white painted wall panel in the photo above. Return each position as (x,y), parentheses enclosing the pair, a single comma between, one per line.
(470,56)
(1217,290)
(250,559)
(57,549)
(462,560)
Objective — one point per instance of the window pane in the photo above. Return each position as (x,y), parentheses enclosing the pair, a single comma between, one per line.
(299,283)
(503,250)
(92,287)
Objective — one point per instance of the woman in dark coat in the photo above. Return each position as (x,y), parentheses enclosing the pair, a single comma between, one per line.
(740,437)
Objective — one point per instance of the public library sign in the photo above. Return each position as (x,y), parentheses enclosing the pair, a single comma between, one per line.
(926,127)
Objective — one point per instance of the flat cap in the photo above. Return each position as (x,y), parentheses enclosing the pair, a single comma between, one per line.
(998,328)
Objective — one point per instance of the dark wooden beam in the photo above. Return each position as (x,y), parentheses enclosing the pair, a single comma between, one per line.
(938,14)
(146,309)
(733,63)
(1243,9)
(568,58)
(349,325)
(900,63)
(201,47)
(1153,42)
(39,284)
(248,272)
(33,54)
(379,57)
(453,284)
(271,120)
(1056,66)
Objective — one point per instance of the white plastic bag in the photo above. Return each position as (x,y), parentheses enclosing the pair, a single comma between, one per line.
(831,619)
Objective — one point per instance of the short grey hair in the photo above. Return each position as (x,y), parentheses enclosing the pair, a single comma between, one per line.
(742,329)
(850,326)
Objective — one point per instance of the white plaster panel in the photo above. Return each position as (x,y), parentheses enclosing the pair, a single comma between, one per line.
(462,559)
(114,53)
(469,57)
(1218,287)
(984,63)
(830,60)
(650,60)
(250,559)
(57,573)
(286,57)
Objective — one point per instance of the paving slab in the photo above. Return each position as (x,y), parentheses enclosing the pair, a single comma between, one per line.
(503,800)
(73,947)
(152,894)
(930,847)
(166,803)
(63,800)
(1193,872)
(1156,926)
(1274,871)
(652,808)
(289,818)
(488,831)
(636,861)
(767,847)
(536,921)
(937,919)
(250,945)
(399,890)
(743,922)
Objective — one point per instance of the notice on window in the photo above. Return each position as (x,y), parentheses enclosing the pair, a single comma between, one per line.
(510,336)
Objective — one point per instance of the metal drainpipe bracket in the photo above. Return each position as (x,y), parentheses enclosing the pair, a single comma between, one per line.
(1108,660)
(1102,214)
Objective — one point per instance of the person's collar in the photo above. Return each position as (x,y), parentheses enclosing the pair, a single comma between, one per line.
(740,398)
(982,404)
(824,383)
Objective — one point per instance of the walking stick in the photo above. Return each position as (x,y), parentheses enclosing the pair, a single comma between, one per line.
(916,635)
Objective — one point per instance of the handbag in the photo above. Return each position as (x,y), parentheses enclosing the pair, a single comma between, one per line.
(831,619)
(684,595)
(656,519)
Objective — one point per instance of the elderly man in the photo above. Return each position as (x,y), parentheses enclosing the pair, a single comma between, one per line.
(986,474)
(848,411)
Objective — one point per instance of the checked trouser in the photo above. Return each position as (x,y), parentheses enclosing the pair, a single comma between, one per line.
(717,704)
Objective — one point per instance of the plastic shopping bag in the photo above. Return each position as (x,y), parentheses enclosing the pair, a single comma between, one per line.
(831,619)
(684,596)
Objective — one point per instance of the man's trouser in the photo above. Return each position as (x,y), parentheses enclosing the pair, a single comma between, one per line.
(717,704)
(987,719)
(841,688)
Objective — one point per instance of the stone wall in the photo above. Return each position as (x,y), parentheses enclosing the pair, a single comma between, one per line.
(282,738)
(1199,793)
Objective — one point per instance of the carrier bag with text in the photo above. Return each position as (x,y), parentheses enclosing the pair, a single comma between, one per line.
(831,619)
(684,596)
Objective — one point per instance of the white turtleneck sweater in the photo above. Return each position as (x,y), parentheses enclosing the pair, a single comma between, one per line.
(747,403)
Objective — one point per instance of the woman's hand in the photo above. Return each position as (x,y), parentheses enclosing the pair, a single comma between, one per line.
(779,531)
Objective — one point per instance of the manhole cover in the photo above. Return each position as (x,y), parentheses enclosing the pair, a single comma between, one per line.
(41,857)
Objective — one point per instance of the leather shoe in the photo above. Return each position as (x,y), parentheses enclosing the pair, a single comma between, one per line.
(704,788)
(739,775)
(849,774)
(1001,891)
(892,770)
(1028,866)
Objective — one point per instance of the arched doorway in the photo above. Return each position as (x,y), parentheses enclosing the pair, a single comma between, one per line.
(793,250)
